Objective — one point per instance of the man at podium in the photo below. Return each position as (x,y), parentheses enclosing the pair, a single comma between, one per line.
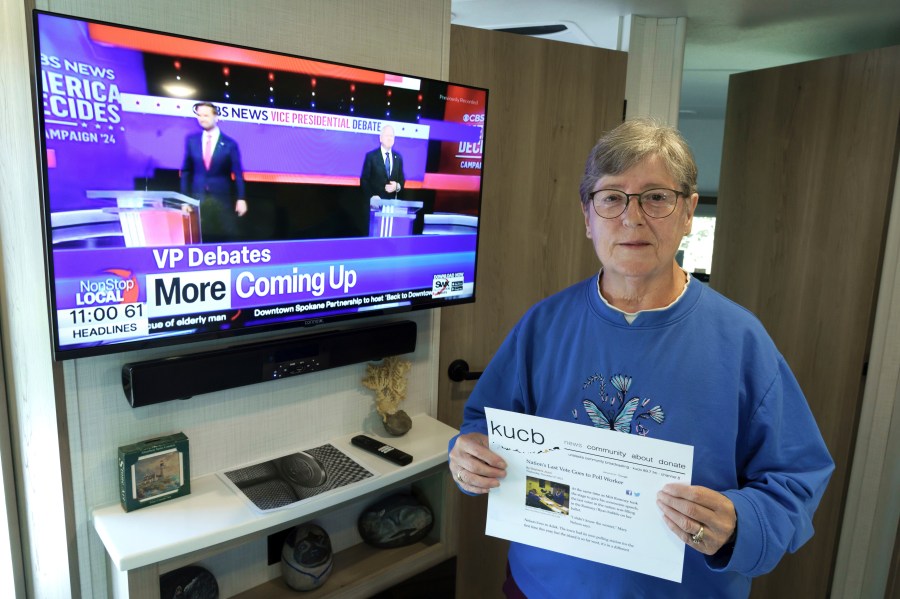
(212,174)
(382,174)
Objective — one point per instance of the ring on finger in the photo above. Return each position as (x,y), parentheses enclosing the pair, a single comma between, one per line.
(697,538)
(459,475)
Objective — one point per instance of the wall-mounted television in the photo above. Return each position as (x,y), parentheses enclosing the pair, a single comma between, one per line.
(194,189)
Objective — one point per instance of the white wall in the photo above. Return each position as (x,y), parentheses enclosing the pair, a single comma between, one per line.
(38,443)
(705,136)
(84,405)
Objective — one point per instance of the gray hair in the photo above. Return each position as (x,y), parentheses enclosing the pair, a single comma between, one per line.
(632,142)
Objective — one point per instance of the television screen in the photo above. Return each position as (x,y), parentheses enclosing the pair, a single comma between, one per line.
(194,189)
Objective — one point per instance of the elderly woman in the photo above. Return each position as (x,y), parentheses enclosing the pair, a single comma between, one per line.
(716,381)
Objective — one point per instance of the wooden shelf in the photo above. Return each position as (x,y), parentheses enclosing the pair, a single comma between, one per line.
(361,571)
(144,543)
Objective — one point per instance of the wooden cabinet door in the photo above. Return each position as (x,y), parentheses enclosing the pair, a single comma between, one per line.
(804,193)
(548,104)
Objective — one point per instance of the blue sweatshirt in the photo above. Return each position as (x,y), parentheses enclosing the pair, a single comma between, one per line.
(708,375)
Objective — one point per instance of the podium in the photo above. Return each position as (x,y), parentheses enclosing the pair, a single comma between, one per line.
(448,223)
(141,218)
(392,218)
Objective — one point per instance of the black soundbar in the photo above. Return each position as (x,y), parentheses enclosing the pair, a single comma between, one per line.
(181,377)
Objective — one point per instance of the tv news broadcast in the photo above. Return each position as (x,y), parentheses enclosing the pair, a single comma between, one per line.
(195,189)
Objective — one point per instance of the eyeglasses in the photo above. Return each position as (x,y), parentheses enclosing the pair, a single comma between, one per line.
(655,203)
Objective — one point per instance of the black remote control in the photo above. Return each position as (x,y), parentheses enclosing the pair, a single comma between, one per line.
(382,449)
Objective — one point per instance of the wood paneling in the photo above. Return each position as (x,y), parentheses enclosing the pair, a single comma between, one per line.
(872,507)
(806,181)
(548,104)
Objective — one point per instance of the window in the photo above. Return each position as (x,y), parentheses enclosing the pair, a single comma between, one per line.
(696,250)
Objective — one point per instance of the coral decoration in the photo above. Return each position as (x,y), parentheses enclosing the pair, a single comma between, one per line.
(388,381)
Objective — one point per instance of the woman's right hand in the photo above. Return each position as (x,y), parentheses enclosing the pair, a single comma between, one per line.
(474,467)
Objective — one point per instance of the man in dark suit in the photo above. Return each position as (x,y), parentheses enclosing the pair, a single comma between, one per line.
(212,173)
(382,174)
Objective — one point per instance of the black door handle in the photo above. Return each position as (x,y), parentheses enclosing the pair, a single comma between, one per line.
(459,371)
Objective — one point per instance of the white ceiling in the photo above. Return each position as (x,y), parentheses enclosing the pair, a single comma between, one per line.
(723,36)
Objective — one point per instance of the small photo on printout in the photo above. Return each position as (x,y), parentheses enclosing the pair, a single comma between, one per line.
(547,495)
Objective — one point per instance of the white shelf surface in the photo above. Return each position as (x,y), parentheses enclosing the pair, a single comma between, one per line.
(214,514)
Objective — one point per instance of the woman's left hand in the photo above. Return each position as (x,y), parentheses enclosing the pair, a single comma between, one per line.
(689,509)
